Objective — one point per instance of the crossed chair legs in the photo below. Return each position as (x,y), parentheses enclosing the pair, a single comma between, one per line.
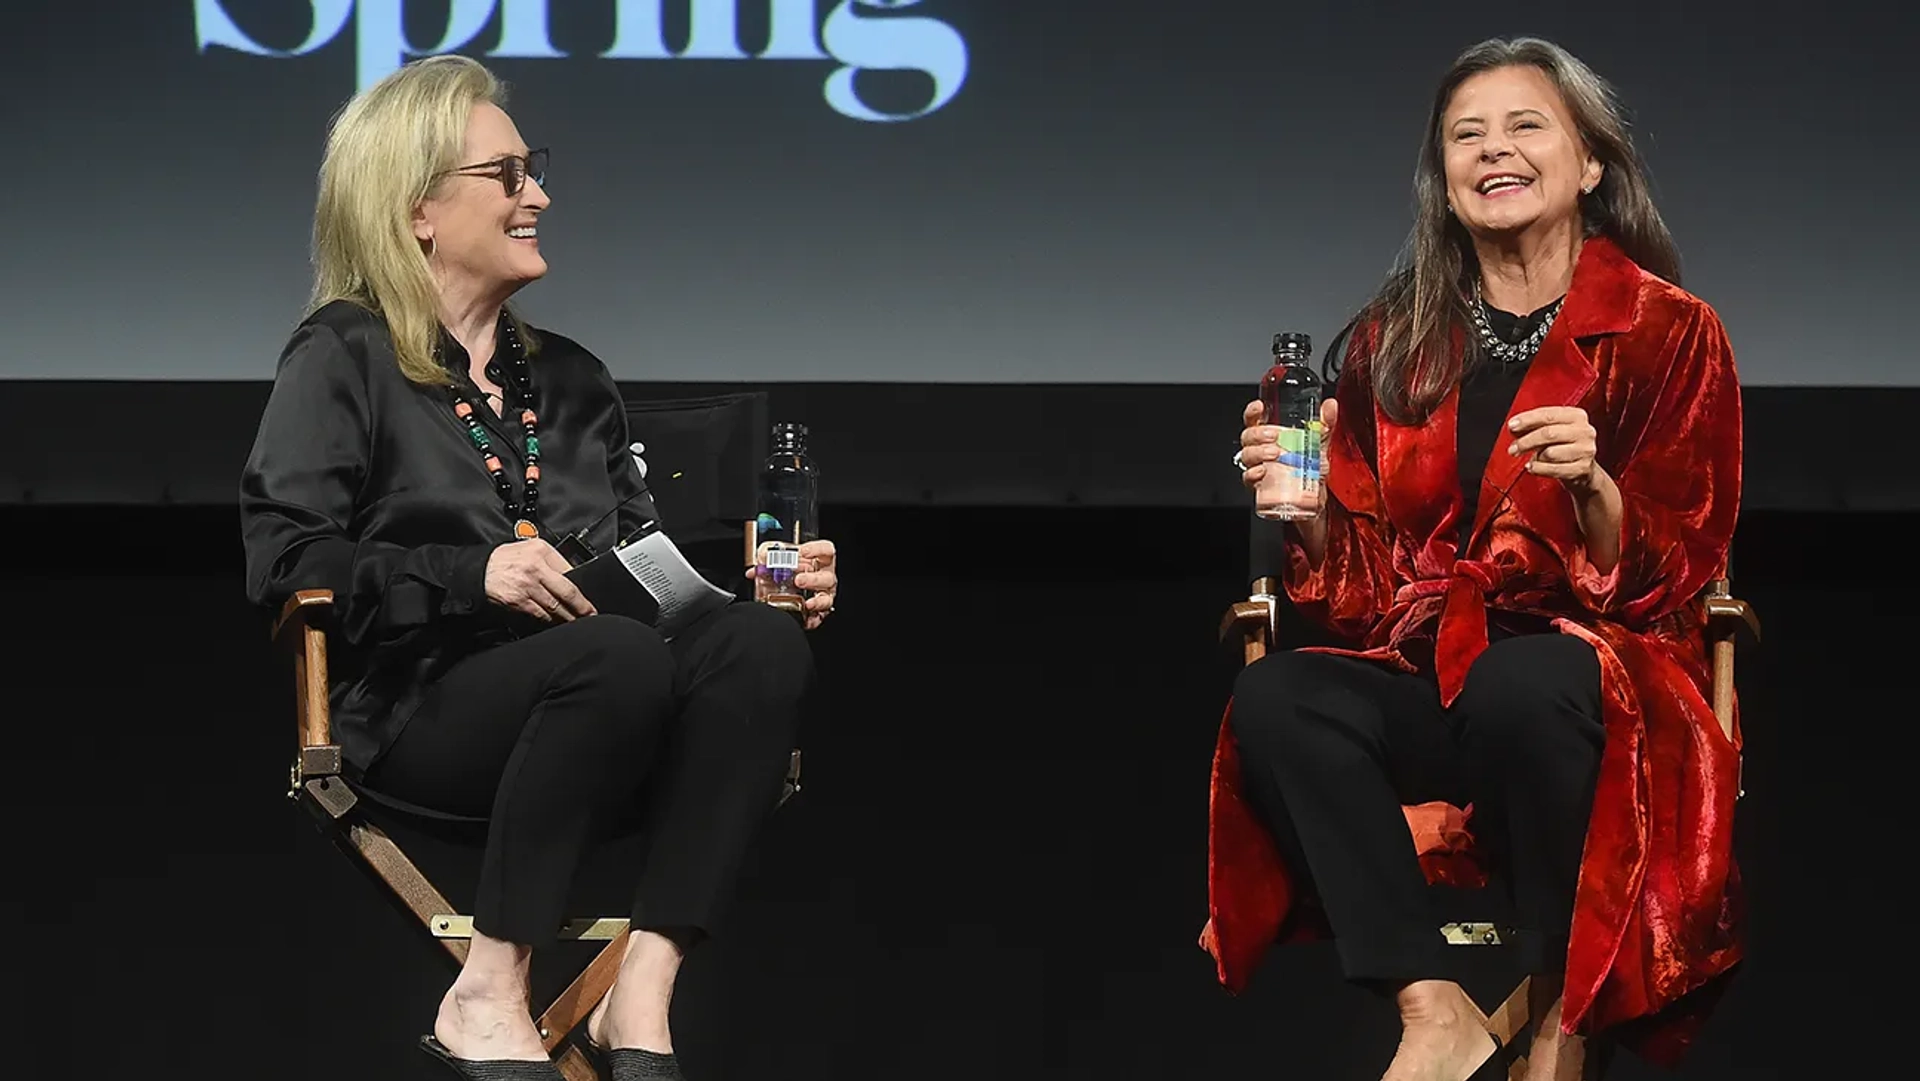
(334,802)
(318,786)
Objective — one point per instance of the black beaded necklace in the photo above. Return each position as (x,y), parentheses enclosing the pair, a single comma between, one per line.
(526,510)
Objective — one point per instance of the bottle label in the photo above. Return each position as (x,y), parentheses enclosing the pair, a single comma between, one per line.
(779,564)
(1301,451)
(1290,489)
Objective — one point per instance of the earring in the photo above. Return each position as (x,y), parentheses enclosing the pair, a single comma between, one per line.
(433,247)
(1588,190)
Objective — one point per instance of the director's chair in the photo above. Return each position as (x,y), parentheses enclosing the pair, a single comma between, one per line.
(702,454)
(1256,621)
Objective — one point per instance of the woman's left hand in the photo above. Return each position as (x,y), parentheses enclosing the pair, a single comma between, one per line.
(818,575)
(1562,440)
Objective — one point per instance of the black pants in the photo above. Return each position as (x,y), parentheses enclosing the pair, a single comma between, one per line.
(1331,747)
(600,721)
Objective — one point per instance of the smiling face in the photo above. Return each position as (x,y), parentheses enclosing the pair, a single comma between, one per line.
(1514,159)
(484,241)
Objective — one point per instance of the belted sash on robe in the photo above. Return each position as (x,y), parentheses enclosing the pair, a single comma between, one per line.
(1462,634)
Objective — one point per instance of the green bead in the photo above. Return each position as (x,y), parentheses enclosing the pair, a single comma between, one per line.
(533,444)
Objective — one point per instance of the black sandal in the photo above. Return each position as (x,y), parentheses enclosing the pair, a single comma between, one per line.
(630,1063)
(638,1064)
(492,1069)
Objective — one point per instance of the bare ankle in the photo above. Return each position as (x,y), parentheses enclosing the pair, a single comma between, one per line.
(468,992)
(484,1015)
(651,957)
(1545,1004)
(638,1007)
(493,979)
(1443,1034)
(1436,1002)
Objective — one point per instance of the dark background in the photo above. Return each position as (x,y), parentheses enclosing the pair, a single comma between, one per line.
(1021,330)
(1134,191)
(996,867)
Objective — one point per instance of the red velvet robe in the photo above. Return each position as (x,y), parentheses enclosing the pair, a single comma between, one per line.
(1657,907)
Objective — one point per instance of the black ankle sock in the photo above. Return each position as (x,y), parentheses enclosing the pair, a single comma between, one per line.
(635,1064)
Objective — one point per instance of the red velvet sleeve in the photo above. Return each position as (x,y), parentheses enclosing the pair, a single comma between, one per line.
(1353,587)
(1675,454)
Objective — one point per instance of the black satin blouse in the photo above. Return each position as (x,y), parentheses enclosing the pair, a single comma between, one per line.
(362,482)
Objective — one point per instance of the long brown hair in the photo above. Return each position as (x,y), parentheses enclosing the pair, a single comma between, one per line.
(1421,312)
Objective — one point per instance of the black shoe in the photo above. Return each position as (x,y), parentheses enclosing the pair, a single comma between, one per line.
(492,1069)
(630,1063)
(634,1064)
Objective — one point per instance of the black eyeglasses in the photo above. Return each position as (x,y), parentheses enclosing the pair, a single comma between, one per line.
(512,171)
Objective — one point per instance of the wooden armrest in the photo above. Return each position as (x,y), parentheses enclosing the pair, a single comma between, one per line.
(302,610)
(1726,610)
(1722,610)
(1252,619)
(299,631)
(1254,613)
(1725,615)
(1245,617)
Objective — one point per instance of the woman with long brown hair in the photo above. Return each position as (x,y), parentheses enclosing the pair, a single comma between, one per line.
(1533,469)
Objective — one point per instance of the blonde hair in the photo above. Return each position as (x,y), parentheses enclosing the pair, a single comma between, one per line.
(386,151)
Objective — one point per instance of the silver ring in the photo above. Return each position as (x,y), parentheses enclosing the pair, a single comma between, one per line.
(1238,463)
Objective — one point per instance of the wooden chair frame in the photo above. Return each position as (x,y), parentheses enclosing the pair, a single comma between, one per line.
(1256,621)
(317,784)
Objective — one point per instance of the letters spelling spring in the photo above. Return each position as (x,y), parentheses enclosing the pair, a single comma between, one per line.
(860,35)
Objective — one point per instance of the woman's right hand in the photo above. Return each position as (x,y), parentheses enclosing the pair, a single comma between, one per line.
(1260,448)
(529,576)
(1260,442)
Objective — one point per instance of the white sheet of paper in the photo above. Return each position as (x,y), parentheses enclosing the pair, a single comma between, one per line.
(683,595)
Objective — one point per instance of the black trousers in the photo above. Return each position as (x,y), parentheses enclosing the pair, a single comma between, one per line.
(599,721)
(1331,747)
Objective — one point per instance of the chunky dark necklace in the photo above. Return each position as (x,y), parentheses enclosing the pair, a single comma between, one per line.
(524,511)
(1504,351)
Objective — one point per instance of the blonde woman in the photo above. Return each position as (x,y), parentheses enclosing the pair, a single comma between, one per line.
(420,453)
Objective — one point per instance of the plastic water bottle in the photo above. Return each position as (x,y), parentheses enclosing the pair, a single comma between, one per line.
(1292,489)
(789,500)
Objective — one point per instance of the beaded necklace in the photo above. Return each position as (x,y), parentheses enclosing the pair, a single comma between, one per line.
(525,511)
